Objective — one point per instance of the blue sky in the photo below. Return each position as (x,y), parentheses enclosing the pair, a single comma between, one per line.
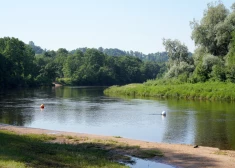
(138,25)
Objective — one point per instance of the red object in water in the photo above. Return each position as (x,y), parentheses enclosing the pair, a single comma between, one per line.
(42,106)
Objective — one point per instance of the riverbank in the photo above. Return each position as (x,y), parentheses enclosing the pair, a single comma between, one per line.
(174,154)
(198,91)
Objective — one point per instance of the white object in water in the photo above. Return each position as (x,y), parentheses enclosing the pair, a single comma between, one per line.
(163,113)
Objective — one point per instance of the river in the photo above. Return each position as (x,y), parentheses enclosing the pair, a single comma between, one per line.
(88,110)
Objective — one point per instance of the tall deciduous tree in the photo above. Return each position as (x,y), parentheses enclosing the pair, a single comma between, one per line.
(72,64)
(18,59)
(61,56)
(230,60)
(213,32)
(179,60)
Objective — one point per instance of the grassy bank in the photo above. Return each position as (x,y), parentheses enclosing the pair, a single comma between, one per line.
(205,91)
(31,150)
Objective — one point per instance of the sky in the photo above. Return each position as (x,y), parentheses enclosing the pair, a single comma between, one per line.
(138,25)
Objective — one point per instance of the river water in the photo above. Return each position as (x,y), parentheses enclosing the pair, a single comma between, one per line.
(88,110)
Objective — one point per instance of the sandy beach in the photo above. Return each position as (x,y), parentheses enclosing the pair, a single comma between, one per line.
(177,155)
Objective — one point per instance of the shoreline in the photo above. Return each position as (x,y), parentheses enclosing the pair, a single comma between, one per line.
(178,155)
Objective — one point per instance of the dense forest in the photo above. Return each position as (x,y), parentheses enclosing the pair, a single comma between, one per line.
(213,60)
(29,65)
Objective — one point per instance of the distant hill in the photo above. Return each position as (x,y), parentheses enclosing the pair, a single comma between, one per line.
(156,57)
(36,49)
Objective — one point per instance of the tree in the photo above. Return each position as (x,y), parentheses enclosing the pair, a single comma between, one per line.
(72,64)
(114,52)
(28,65)
(101,49)
(45,70)
(179,60)
(214,37)
(88,68)
(128,69)
(233,7)
(36,49)
(61,56)
(50,53)
(149,70)
(62,52)
(214,30)
(18,60)
(3,71)
(230,60)
(177,52)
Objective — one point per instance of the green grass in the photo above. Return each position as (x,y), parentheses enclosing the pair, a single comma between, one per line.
(41,151)
(202,91)
(21,151)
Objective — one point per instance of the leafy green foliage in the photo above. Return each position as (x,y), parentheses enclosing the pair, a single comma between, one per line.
(213,58)
(159,57)
(45,70)
(179,61)
(3,71)
(214,31)
(230,60)
(20,66)
(93,67)
(18,62)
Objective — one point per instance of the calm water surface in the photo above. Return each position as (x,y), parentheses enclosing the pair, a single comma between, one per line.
(87,110)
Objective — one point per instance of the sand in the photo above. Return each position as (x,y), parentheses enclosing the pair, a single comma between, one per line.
(178,155)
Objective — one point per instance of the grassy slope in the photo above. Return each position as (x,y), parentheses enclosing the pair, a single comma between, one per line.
(20,151)
(207,91)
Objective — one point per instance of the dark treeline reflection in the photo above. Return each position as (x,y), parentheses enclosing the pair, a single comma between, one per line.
(78,92)
(15,107)
(12,118)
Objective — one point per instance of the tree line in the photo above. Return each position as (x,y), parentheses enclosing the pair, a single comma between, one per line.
(29,65)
